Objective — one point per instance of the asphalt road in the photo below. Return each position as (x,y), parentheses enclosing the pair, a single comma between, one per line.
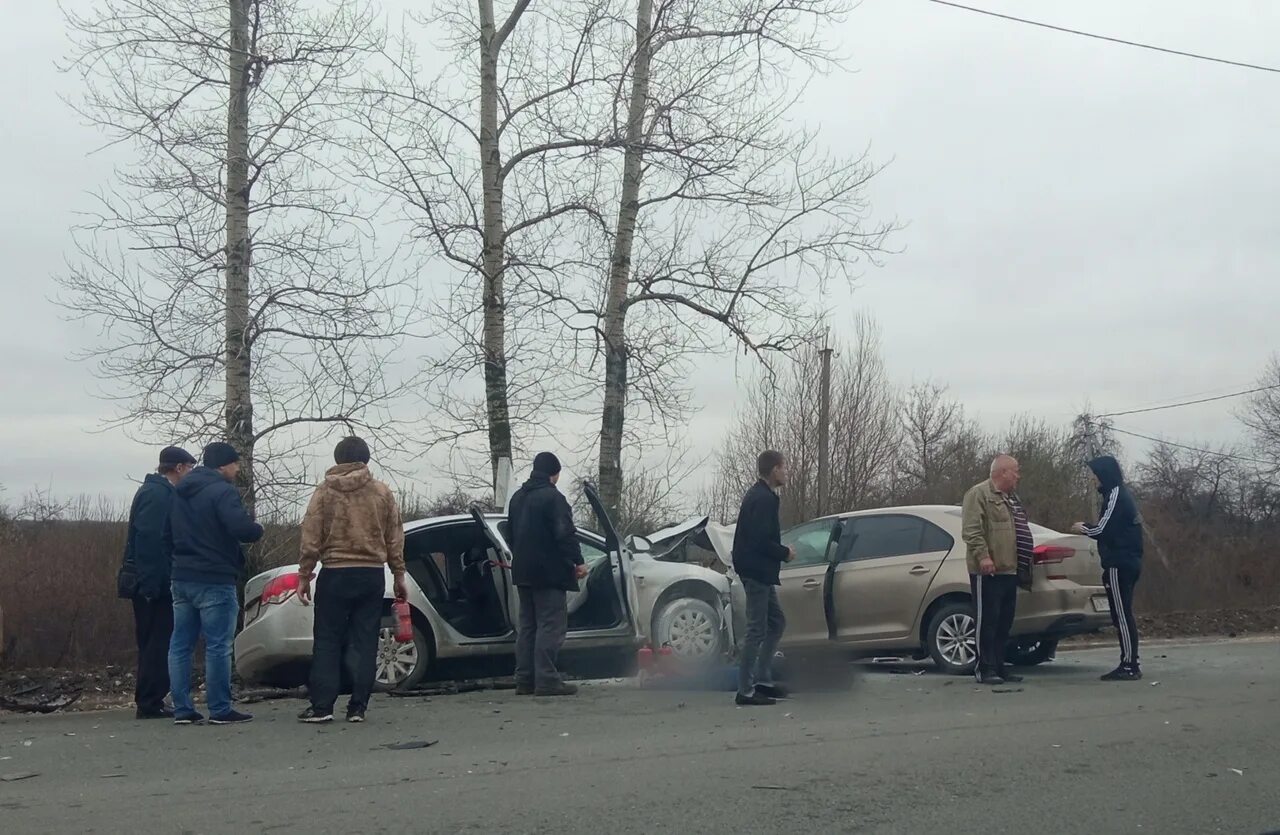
(1193,748)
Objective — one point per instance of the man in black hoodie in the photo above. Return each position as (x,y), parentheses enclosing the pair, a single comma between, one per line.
(209,522)
(1119,537)
(546,564)
(758,555)
(144,579)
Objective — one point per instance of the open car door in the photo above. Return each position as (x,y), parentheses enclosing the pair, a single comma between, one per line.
(500,565)
(829,581)
(614,545)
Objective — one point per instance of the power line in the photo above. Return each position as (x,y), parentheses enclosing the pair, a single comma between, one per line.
(1190,402)
(1231,456)
(1107,38)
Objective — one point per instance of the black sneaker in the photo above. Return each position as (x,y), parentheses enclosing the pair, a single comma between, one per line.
(154,713)
(756,699)
(1011,678)
(355,714)
(990,678)
(188,718)
(231,717)
(773,691)
(311,716)
(1123,673)
(524,689)
(562,689)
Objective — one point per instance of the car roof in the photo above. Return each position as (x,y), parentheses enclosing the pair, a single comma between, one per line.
(433,521)
(944,515)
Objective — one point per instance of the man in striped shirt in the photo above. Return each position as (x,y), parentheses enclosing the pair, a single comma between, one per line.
(998,540)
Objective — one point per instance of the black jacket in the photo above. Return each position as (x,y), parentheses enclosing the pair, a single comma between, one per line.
(758,551)
(1119,528)
(148,550)
(209,523)
(544,541)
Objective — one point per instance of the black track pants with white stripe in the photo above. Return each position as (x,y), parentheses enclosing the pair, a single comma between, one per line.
(995,597)
(1119,583)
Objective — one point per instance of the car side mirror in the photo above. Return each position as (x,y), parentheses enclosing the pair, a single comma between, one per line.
(639,544)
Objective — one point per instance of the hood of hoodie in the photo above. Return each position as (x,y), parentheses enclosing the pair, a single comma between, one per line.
(536,481)
(199,479)
(347,478)
(1107,469)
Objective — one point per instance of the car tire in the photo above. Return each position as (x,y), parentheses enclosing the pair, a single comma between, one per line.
(952,639)
(402,666)
(692,628)
(1028,652)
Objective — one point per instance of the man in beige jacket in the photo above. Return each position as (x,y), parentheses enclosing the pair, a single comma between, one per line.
(995,532)
(352,526)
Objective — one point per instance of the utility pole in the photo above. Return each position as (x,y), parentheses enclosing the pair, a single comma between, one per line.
(824,429)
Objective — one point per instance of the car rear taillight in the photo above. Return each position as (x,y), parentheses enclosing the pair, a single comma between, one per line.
(1051,554)
(279,589)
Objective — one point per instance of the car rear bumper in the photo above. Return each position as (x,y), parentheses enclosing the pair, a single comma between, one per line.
(279,637)
(1062,610)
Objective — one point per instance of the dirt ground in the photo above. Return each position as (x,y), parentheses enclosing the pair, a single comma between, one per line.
(47,691)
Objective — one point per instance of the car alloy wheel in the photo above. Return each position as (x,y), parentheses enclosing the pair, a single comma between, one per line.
(396,661)
(691,628)
(958,640)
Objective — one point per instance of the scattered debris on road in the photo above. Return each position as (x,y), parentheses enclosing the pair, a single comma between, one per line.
(42,703)
(409,746)
(20,775)
(249,697)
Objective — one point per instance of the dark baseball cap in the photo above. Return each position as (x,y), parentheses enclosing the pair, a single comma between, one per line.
(176,455)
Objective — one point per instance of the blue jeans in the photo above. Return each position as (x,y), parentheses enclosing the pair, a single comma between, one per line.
(209,609)
(765,625)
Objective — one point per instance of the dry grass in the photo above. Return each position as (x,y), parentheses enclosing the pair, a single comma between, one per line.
(58,595)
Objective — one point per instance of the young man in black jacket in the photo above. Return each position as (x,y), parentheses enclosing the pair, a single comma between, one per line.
(209,523)
(1119,537)
(758,554)
(144,579)
(546,564)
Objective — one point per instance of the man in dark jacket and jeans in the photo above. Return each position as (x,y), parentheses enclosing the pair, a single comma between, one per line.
(546,564)
(209,523)
(144,579)
(1119,537)
(758,554)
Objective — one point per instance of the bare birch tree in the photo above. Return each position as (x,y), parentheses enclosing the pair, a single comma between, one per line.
(726,220)
(491,159)
(237,283)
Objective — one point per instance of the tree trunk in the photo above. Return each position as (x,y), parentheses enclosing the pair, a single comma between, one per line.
(239,405)
(613,415)
(494,303)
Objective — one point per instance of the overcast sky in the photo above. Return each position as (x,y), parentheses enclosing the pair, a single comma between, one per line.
(1085,221)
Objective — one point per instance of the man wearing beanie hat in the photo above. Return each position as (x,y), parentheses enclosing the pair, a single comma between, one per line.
(546,564)
(144,579)
(352,526)
(209,522)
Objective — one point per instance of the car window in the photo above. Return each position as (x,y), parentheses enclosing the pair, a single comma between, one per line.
(810,541)
(935,539)
(591,552)
(876,537)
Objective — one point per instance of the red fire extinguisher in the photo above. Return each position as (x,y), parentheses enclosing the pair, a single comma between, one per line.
(404,623)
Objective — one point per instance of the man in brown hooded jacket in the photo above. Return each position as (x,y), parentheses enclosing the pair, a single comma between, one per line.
(352,526)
